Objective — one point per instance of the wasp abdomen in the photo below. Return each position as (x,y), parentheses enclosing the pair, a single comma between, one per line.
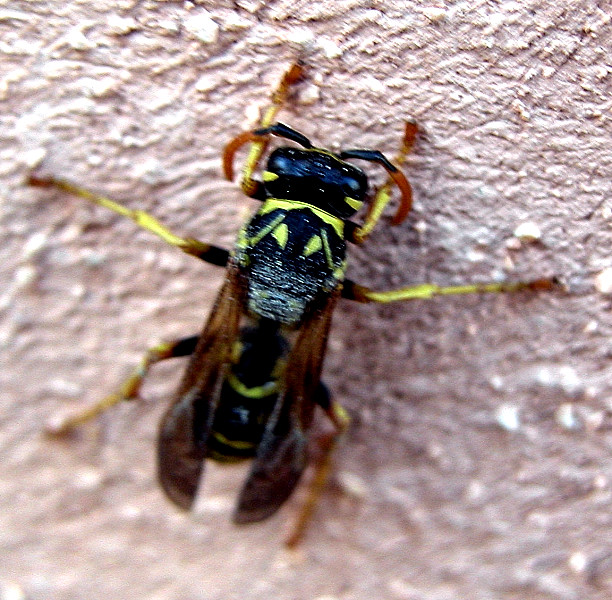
(248,394)
(239,424)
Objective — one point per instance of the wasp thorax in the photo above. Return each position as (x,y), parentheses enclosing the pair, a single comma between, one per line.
(316,177)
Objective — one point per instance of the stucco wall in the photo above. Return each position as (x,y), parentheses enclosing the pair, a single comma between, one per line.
(479,462)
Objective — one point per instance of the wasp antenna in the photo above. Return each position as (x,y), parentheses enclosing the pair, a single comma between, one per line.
(394,173)
(232,147)
(282,130)
(279,129)
(410,132)
(406,198)
(370,155)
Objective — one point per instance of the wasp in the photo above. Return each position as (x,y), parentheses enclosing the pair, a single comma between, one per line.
(253,380)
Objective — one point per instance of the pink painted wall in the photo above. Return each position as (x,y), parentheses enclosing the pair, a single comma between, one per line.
(479,463)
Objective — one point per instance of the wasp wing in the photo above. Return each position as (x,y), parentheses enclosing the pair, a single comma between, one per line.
(185,426)
(283,452)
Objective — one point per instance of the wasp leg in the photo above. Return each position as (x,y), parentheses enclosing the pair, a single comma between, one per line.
(130,388)
(383,195)
(250,186)
(326,446)
(424,291)
(207,252)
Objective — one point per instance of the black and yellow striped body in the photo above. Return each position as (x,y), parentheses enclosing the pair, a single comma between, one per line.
(248,393)
(291,256)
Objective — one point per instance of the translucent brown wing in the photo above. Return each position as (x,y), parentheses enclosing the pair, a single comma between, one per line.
(185,426)
(283,452)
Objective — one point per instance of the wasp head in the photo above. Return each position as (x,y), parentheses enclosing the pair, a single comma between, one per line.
(316,177)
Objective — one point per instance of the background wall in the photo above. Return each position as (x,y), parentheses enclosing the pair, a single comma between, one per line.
(479,462)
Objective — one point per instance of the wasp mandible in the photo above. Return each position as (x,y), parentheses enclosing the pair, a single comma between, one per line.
(253,379)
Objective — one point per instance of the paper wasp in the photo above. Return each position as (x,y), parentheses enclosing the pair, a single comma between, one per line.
(254,375)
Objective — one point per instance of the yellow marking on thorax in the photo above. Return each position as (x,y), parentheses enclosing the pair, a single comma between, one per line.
(328,253)
(339,272)
(281,235)
(313,245)
(264,231)
(277,203)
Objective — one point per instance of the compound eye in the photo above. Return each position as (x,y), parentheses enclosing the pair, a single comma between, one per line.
(354,188)
(281,162)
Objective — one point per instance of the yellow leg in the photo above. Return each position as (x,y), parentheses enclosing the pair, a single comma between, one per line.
(130,388)
(191,246)
(259,144)
(360,293)
(341,420)
(383,195)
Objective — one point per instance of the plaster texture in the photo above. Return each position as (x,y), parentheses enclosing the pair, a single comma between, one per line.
(479,463)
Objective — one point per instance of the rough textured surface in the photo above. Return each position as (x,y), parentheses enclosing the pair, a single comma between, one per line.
(479,464)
